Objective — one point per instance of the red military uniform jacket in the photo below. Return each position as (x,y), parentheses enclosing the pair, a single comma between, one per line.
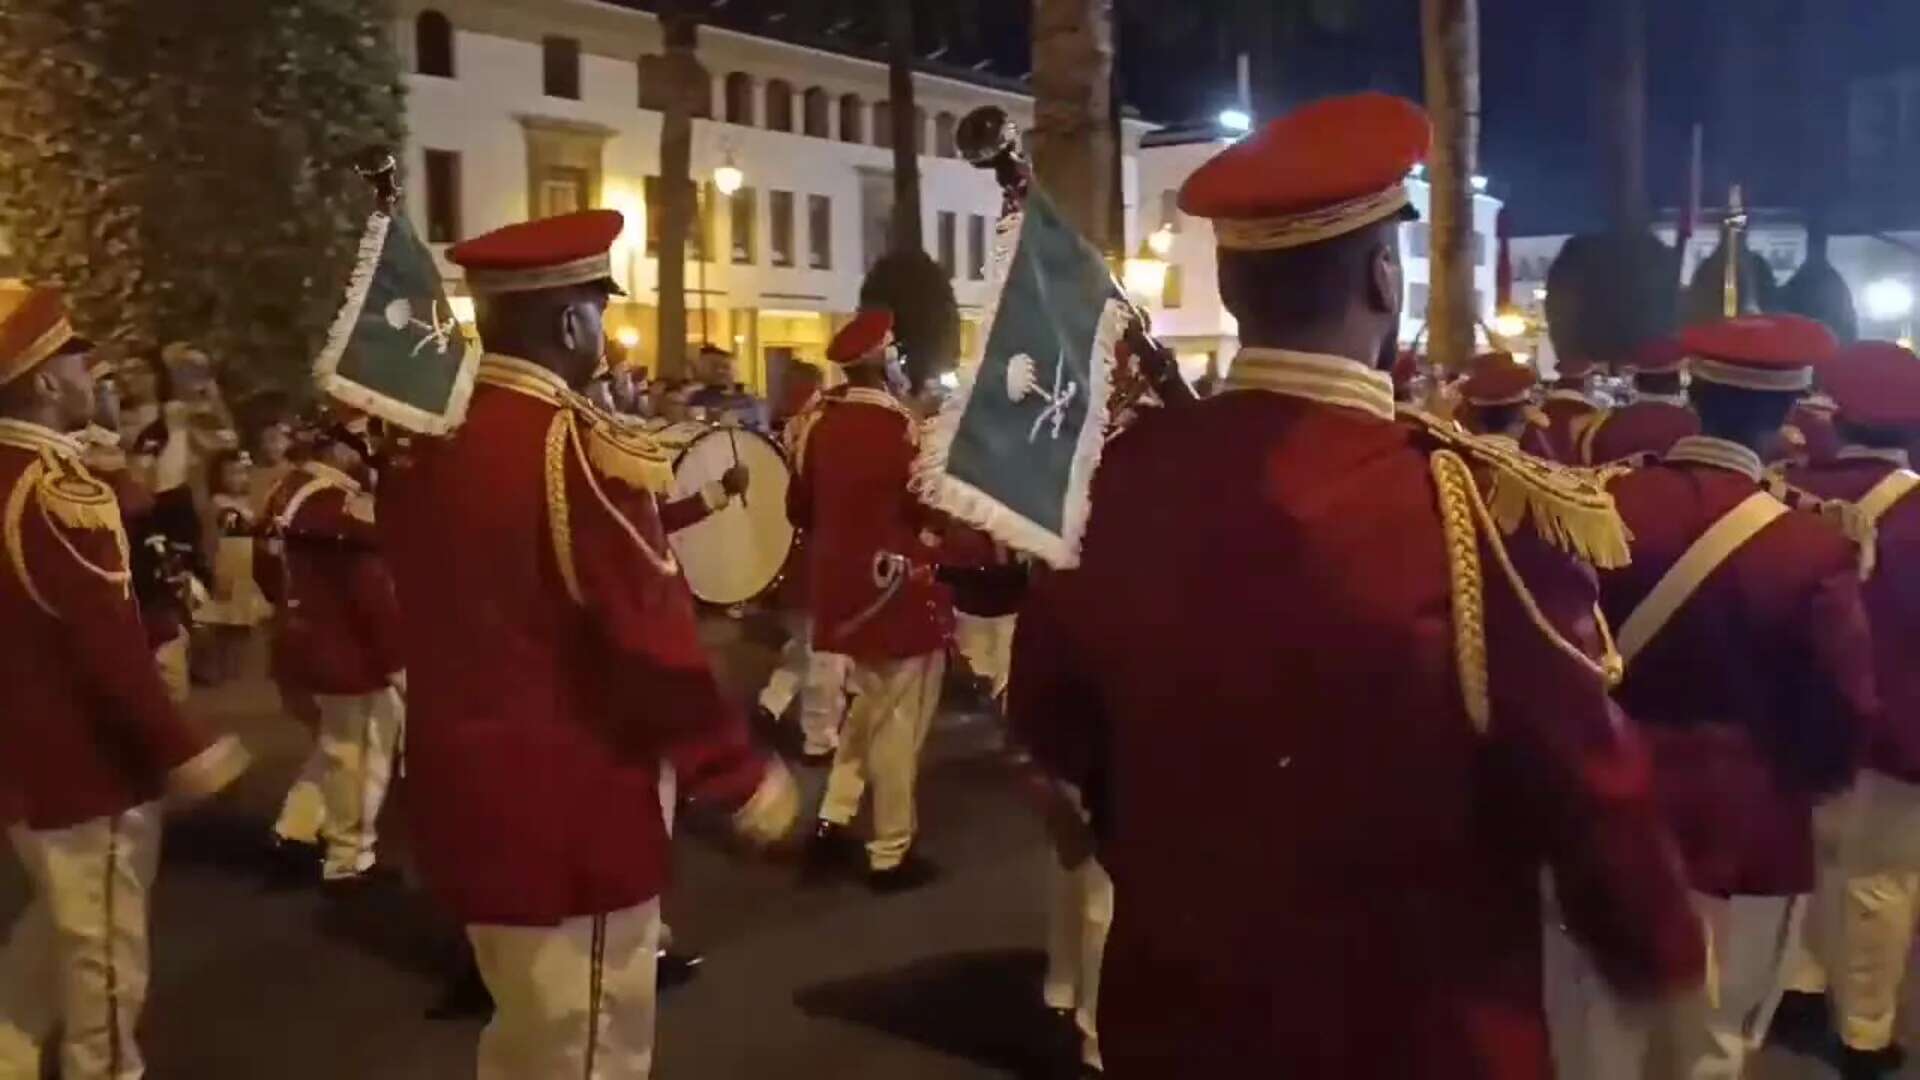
(1647,426)
(1322,867)
(1758,690)
(86,728)
(1566,412)
(553,659)
(1809,436)
(336,630)
(850,493)
(1892,597)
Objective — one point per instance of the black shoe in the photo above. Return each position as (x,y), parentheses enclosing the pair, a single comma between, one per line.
(1801,1024)
(463,997)
(830,852)
(1870,1064)
(290,866)
(912,873)
(676,968)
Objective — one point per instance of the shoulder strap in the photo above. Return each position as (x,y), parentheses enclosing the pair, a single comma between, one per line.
(1584,435)
(1685,577)
(1891,489)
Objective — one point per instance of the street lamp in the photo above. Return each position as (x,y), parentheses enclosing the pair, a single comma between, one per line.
(1160,241)
(1235,120)
(1145,275)
(727,179)
(1888,299)
(1509,324)
(626,337)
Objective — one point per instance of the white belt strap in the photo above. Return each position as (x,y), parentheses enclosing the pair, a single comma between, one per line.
(1714,547)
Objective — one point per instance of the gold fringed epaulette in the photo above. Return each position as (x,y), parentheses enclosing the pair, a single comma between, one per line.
(75,497)
(1453,478)
(626,453)
(1570,508)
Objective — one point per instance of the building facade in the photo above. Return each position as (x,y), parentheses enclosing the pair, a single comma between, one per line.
(527,108)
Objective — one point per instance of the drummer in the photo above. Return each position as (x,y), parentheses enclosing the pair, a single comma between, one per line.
(720,397)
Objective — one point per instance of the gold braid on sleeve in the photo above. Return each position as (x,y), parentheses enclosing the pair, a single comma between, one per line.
(1453,478)
(559,513)
(16,545)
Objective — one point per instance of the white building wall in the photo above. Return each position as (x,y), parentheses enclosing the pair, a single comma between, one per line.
(498,83)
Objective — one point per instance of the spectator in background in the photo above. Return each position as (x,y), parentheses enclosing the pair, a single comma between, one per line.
(235,606)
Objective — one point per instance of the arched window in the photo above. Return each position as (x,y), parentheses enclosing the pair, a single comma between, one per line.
(739,98)
(779,105)
(814,107)
(653,83)
(433,44)
(853,113)
(943,136)
(883,124)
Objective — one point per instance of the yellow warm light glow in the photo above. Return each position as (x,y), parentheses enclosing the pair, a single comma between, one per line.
(627,336)
(1160,241)
(462,307)
(728,179)
(1146,279)
(1509,324)
(618,195)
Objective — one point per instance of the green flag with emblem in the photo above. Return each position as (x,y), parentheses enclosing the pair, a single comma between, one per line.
(1013,451)
(396,350)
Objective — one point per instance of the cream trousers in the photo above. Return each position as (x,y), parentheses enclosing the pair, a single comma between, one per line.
(1860,929)
(358,738)
(572,1000)
(880,746)
(1079,914)
(77,957)
(1700,1036)
(987,645)
(818,679)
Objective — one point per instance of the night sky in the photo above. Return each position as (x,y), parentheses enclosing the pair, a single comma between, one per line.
(1177,65)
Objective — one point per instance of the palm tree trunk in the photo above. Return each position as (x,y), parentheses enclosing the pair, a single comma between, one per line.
(677,198)
(907,234)
(1620,109)
(1073,143)
(1450,37)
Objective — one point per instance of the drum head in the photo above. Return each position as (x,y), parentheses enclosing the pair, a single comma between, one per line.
(736,554)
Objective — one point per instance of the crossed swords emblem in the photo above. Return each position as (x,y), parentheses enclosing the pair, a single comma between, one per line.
(438,334)
(1022,383)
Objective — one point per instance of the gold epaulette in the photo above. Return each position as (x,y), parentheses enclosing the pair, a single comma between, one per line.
(68,497)
(1570,508)
(563,440)
(626,451)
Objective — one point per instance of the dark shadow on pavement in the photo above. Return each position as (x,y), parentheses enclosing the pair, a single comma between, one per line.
(983,1007)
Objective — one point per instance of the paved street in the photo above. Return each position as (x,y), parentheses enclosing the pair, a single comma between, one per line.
(941,984)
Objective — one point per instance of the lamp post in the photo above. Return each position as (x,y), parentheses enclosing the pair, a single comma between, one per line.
(726,180)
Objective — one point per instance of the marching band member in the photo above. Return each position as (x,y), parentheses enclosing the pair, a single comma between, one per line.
(1569,406)
(1496,397)
(1861,924)
(1656,418)
(1750,669)
(873,600)
(1351,627)
(337,640)
(554,665)
(90,741)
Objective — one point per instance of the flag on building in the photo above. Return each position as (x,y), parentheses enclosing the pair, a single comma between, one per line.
(396,351)
(1014,450)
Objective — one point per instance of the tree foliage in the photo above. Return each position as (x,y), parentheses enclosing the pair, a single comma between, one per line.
(183,169)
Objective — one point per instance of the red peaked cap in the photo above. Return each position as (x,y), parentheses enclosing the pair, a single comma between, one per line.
(572,249)
(1326,169)
(1573,367)
(1876,384)
(34,331)
(1496,379)
(869,332)
(1760,352)
(1660,356)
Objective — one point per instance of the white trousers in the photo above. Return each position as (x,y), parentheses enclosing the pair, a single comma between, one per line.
(1860,927)
(1079,914)
(304,808)
(358,737)
(880,745)
(573,1000)
(818,679)
(987,645)
(78,956)
(172,658)
(1704,1036)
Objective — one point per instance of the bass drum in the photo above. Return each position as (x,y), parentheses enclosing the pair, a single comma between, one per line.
(734,555)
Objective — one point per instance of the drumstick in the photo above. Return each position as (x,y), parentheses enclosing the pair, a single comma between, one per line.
(734,442)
